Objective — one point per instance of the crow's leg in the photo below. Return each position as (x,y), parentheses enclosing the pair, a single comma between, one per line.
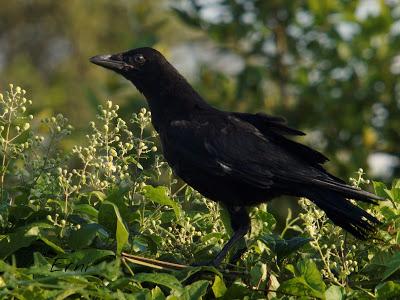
(240,222)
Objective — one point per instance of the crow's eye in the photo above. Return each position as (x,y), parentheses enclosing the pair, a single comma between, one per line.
(139,58)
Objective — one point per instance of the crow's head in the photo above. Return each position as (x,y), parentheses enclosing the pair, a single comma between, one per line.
(144,67)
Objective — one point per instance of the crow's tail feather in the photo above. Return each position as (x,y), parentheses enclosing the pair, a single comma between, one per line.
(345,214)
(348,191)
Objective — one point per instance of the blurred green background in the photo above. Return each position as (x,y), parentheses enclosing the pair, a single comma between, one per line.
(330,67)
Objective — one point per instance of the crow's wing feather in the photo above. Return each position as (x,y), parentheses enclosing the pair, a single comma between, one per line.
(230,147)
(206,147)
(267,123)
(275,128)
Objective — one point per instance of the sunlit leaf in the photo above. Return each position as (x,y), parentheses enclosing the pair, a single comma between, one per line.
(219,287)
(160,195)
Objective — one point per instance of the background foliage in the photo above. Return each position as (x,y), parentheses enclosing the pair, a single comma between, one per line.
(76,204)
(330,67)
(108,229)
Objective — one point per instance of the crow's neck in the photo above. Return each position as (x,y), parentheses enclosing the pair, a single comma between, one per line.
(173,99)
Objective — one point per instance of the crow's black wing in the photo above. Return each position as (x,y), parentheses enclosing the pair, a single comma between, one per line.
(275,128)
(267,123)
(226,146)
(212,147)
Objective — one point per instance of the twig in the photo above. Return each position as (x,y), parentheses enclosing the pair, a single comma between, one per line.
(153,263)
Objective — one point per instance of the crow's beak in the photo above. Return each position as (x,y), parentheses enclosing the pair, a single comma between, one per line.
(108,61)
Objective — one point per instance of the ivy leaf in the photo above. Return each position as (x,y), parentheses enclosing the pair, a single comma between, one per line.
(380,189)
(85,236)
(110,218)
(219,287)
(196,290)
(86,209)
(388,290)
(283,248)
(157,294)
(160,279)
(309,283)
(24,237)
(97,194)
(160,195)
(334,292)
(392,266)
(313,277)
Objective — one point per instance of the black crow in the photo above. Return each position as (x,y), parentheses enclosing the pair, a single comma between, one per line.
(237,159)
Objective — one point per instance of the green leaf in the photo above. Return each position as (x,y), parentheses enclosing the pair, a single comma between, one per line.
(160,195)
(309,283)
(238,290)
(107,217)
(86,209)
(132,160)
(157,294)
(98,194)
(396,184)
(313,277)
(24,237)
(286,247)
(334,292)
(52,245)
(267,218)
(219,287)
(388,290)
(380,189)
(85,236)
(20,212)
(187,273)
(211,236)
(116,196)
(298,286)
(283,248)
(226,220)
(388,212)
(161,279)
(196,290)
(258,274)
(394,194)
(291,269)
(122,233)
(392,266)
(88,256)
(110,218)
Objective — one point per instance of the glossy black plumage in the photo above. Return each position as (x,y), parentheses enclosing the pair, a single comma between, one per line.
(237,159)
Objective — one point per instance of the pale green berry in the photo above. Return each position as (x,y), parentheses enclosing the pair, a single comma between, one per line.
(113,152)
